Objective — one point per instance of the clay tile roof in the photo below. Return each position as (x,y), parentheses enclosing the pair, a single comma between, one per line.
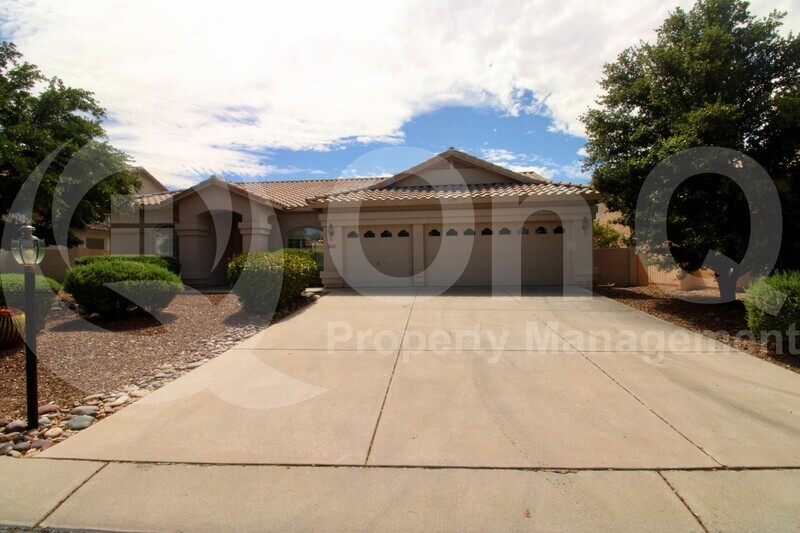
(492,190)
(289,194)
(155,198)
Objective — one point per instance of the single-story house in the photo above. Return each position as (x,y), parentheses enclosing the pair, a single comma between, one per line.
(453,219)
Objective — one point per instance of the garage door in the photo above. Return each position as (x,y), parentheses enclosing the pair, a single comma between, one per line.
(386,252)
(531,254)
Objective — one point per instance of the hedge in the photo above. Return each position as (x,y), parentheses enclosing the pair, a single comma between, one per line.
(265,281)
(12,294)
(764,294)
(170,263)
(110,288)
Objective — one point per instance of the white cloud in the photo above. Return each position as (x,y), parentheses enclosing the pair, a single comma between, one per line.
(544,166)
(198,87)
(582,152)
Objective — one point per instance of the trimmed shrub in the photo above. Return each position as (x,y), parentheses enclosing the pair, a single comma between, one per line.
(12,294)
(170,263)
(110,288)
(264,281)
(764,294)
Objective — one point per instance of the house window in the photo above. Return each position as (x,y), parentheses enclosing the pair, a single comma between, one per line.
(352,235)
(434,233)
(469,231)
(369,234)
(402,233)
(451,232)
(486,231)
(95,243)
(305,239)
(385,234)
(164,241)
(523,231)
(505,231)
(541,230)
(559,229)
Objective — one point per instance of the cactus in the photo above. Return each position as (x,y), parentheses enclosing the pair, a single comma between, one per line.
(12,324)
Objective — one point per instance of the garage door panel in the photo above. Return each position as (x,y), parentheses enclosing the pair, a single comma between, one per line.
(386,250)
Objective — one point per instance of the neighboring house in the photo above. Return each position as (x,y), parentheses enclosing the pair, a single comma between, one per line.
(453,219)
(97,236)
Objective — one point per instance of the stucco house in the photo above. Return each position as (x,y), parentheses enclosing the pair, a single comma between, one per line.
(453,219)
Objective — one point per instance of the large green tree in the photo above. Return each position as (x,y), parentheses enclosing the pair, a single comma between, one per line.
(716,76)
(39,116)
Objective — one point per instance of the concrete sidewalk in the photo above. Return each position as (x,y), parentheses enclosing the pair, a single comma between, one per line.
(366,413)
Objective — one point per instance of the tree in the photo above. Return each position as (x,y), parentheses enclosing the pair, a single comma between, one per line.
(606,236)
(716,76)
(39,115)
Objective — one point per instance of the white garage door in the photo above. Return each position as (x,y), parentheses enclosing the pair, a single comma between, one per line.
(531,254)
(386,251)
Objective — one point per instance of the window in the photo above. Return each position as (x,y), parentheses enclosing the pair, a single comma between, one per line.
(486,231)
(305,239)
(385,234)
(163,241)
(369,234)
(352,235)
(505,231)
(523,231)
(402,233)
(469,231)
(541,230)
(95,243)
(451,232)
(434,233)
(559,229)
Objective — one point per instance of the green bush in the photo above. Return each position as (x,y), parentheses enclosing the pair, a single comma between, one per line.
(12,294)
(264,281)
(764,294)
(110,288)
(170,263)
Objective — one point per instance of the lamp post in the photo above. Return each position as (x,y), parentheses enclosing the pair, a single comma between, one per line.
(28,251)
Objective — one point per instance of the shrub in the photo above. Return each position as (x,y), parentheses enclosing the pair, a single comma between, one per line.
(606,236)
(264,281)
(765,294)
(109,288)
(12,294)
(170,263)
(12,325)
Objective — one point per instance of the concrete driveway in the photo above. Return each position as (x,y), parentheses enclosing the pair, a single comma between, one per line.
(526,384)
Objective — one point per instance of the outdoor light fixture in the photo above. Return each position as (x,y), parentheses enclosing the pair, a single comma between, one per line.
(28,251)
(330,230)
(585,224)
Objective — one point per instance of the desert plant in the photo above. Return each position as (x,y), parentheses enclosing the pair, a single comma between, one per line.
(264,281)
(170,263)
(110,288)
(12,294)
(606,236)
(12,324)
(766,294)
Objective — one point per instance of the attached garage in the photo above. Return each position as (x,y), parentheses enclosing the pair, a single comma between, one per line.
(456,220)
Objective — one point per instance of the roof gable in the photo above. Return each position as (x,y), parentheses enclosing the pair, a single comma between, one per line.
(454,167)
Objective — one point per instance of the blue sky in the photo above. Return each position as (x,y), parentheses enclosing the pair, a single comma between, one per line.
(521,141)
(281,90)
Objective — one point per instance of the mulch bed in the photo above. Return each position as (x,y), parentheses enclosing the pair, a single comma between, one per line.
(706,314)
(79,357)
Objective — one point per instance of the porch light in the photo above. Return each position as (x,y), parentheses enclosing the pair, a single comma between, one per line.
(28,251)
(330,230)
(585,224)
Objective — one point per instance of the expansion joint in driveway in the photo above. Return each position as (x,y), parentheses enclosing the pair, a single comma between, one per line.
(391,377)
(683,501)
(620,385)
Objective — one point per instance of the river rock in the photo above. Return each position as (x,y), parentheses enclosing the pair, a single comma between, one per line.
(53,433)
(80,422)
(49,408)
(90,410)
(15,426)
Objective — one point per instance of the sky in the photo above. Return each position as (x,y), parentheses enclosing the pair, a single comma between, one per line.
(291,90)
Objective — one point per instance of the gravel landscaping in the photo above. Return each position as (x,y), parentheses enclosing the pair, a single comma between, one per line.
(663,302)
(90,369)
